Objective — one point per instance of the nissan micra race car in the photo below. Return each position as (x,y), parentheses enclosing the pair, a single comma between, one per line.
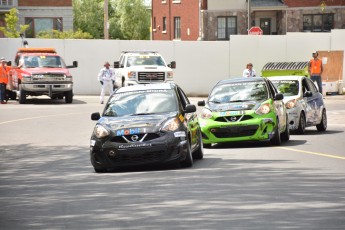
(304,103)
(146,124)
(244,109)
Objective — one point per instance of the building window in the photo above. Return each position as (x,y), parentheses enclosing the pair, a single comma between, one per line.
(37,25)
(318,22)
(154,24)
(177,28)
(176,1)
(164,23)
(225,27)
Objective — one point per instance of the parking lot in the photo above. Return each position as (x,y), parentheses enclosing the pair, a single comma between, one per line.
(47,181)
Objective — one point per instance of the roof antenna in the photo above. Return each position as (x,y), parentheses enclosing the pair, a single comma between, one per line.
(25,43)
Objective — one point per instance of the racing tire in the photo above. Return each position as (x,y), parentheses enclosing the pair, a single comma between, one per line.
(207,146)
(99,170)
(323,124)
(199,153)
(69,97)
(301,124)
(22,95)
(285,136)
(188,161)
(276,140)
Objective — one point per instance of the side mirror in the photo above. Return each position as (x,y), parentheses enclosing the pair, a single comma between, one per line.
(201,103)
(116,64)
(190,108)
(172,64)
(278,97)
(95,116)
(75,65)
(308,94)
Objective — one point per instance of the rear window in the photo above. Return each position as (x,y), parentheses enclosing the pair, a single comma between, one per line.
(141,102)
(241,91)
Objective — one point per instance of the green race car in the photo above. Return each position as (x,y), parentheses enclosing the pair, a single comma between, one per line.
(244,109)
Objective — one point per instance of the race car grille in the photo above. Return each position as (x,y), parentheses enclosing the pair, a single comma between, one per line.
(235,131)
(151,76)
(135,138)
(234,118)
(140,158)
(49,77)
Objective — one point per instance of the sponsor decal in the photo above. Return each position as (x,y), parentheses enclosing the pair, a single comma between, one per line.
(179,134)
(124,132)
(134,146)
(230,113)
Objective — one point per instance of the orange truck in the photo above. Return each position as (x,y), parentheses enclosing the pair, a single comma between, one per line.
(40,71)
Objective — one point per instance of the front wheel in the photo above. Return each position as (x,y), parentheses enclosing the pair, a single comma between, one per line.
(199,153)
(188,161)
(69,97)
(301,124)
(323,124)
(276,140)
(22,95)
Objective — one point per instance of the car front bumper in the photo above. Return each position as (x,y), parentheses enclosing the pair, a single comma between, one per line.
(256,129)
(108,154)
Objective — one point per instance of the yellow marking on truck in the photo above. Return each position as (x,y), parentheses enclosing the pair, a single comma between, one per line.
(314,153)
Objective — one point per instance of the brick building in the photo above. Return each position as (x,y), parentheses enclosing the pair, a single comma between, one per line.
(40,15)
(218,19)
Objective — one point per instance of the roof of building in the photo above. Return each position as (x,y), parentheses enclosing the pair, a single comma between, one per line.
(267,3)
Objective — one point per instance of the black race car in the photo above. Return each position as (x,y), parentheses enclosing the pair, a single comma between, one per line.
(146,124)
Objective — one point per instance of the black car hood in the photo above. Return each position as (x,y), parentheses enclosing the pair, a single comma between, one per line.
(235,106)
(127,125)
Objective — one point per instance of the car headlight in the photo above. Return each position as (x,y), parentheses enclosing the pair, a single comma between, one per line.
(170,74)
(206,114)
(132,74)
(26,78)
(290,104)
(100,131)
(263,109)
(171,124)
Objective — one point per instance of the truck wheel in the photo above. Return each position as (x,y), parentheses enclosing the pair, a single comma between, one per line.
(69,97)
(22,95)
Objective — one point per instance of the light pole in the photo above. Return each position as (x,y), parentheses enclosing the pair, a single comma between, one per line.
(106,31)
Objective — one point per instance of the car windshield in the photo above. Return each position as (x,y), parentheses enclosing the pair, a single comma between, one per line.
(287,87)
(145,60)
(42,61)
(238,92)
(141,103)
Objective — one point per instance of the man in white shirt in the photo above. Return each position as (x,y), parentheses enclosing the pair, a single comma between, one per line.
(106,77)
(249,71)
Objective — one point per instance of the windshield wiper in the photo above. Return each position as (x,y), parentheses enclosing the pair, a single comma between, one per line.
(239,100)
(215,101)
(138,114)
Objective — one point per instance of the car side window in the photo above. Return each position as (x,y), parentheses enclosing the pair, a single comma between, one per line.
(272,89)
(311,86)
(183,97)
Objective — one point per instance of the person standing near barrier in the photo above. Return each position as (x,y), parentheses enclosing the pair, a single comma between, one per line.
(3,81)
(315,70)
(106,77)
(249,71)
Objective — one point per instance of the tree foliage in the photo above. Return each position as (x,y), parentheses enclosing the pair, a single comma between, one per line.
(10,30)
(127,19)
(64,34)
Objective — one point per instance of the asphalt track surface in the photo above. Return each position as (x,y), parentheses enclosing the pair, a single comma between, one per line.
(47,181)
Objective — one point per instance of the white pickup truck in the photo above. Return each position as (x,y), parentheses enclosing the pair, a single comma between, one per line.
(142,67)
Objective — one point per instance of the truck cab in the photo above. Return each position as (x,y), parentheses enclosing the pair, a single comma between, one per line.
(41,71)
(142,67)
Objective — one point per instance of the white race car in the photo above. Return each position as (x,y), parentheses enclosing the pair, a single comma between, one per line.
(303,101)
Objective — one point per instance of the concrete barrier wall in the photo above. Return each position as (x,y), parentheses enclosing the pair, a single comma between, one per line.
(200,64)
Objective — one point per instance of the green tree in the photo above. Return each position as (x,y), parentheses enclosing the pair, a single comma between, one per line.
(89,16)
(10,29)
(132,19)
(64,34)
